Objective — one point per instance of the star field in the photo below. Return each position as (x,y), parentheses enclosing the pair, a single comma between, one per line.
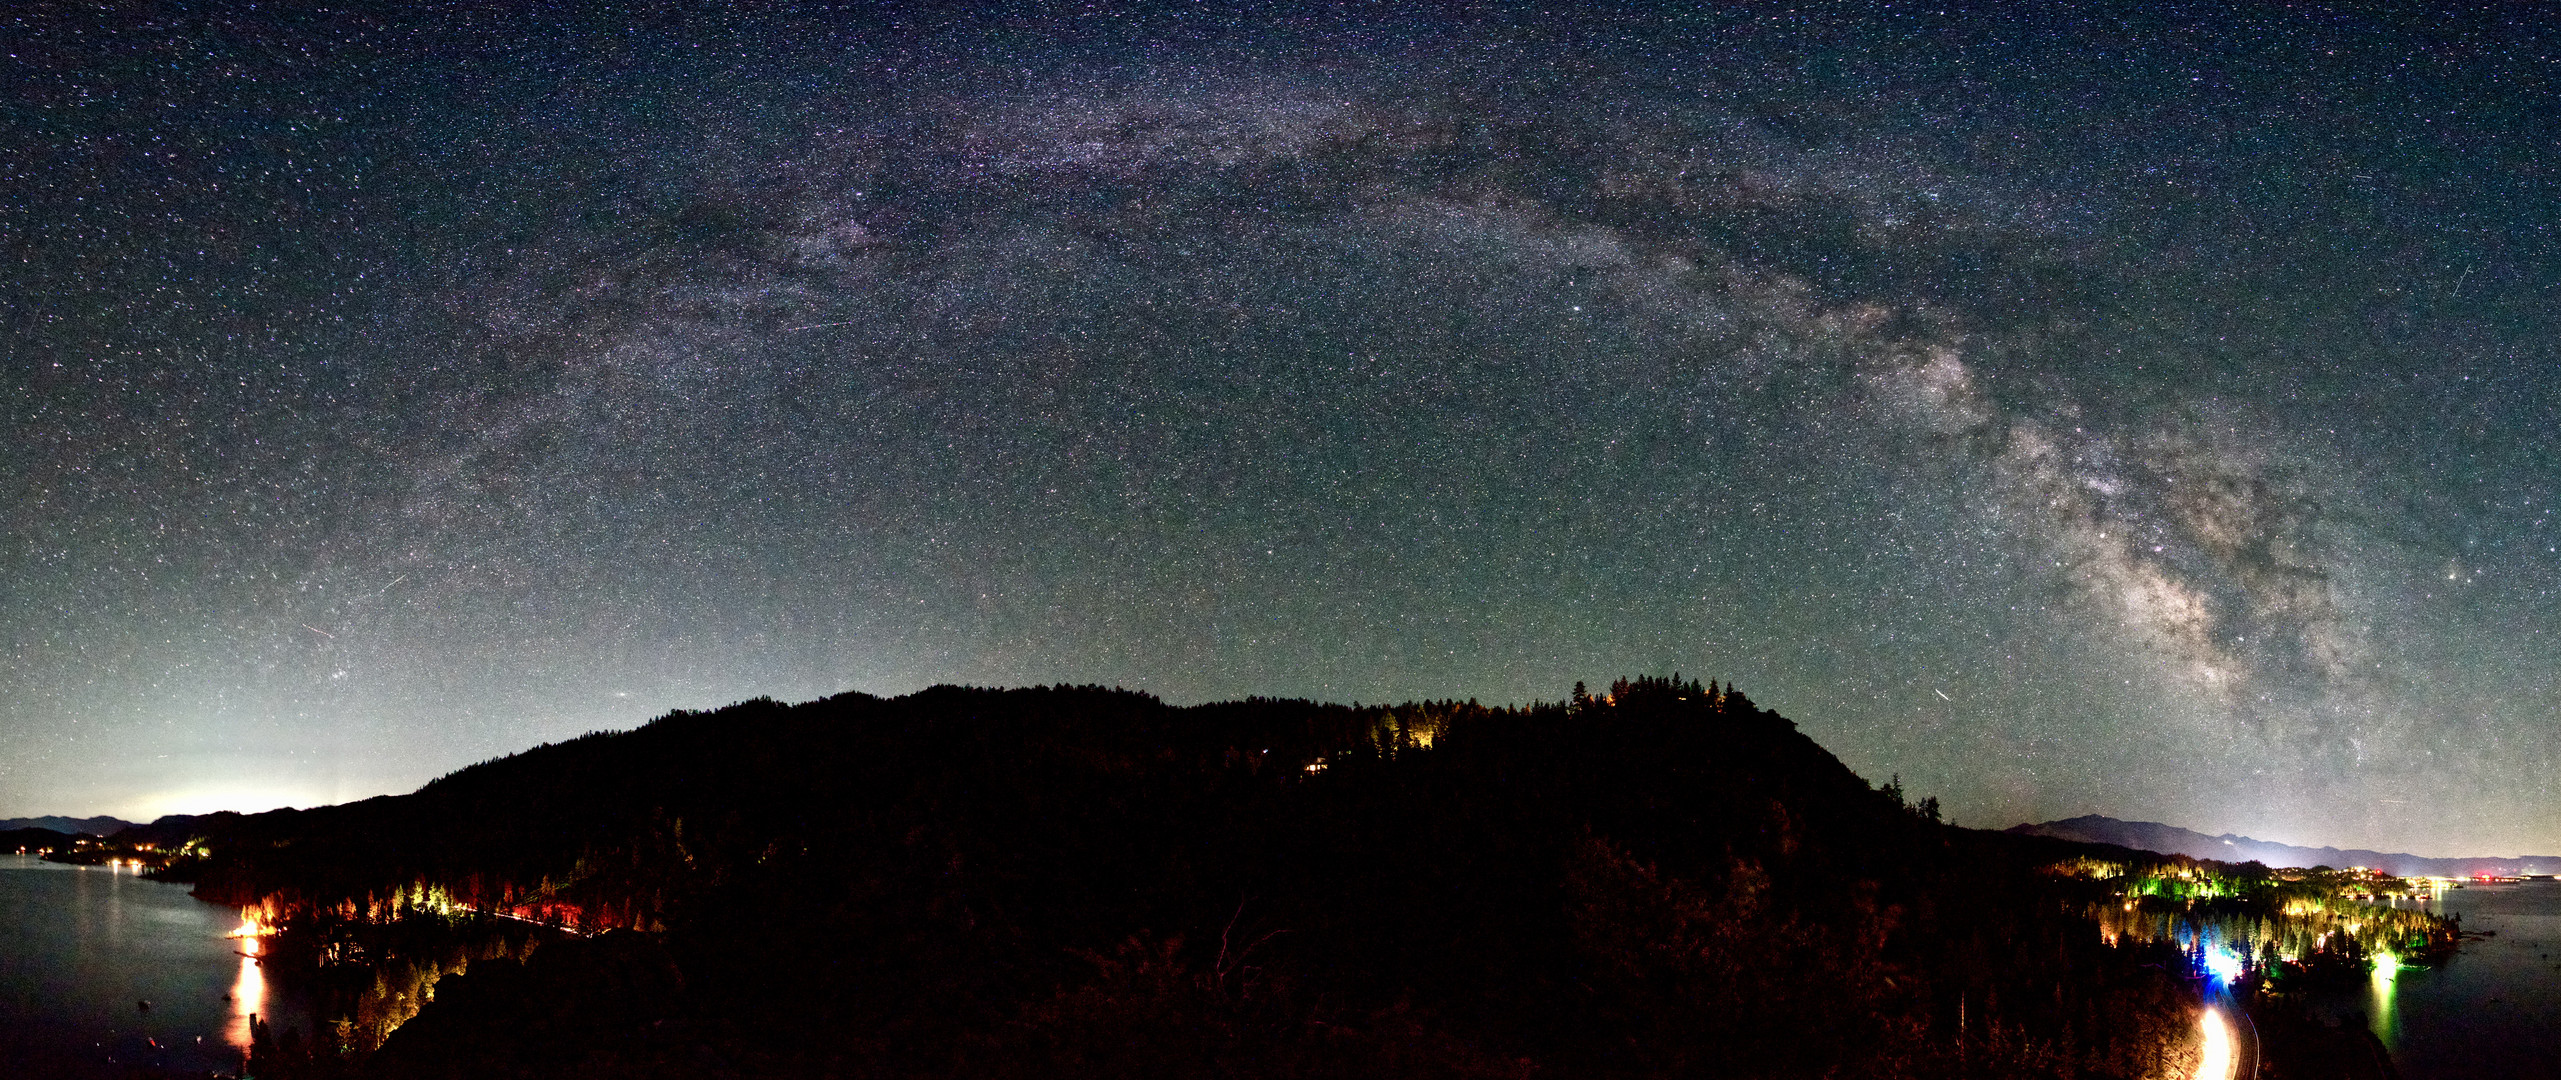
(2140,412)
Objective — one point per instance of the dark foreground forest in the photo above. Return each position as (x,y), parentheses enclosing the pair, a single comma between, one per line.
(1663,880)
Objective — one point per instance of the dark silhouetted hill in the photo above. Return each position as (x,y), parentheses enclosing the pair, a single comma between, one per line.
(1079,882)
(12,840)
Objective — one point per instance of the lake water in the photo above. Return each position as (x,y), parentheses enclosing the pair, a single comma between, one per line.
(82,947)
(2492,1011)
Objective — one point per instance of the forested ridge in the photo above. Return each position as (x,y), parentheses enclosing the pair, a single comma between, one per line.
(1661,880)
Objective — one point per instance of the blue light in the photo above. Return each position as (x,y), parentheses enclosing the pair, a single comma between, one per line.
(2222,963)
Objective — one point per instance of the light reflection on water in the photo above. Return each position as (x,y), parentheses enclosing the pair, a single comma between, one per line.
(248,1000)
(2383,987)
(248,989)
(2493,1010)
(82,948)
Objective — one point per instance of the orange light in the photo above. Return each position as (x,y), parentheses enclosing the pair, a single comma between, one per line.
(2217,1061)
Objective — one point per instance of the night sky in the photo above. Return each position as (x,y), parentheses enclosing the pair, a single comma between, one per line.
(2134,412)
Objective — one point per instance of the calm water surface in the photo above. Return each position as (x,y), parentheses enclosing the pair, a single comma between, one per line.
(81,947)
(2492,1011)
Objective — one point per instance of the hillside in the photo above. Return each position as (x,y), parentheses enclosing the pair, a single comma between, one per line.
(1662,880)
(33,840)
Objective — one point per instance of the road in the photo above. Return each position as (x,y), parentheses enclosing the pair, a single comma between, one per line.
(2244,1032)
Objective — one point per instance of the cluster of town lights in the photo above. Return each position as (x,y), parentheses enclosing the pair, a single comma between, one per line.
(248,933)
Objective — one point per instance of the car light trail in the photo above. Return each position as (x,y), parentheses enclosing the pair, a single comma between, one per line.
(2216,1063)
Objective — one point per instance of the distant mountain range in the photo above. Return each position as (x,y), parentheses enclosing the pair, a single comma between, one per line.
(2172,840)
(96,826)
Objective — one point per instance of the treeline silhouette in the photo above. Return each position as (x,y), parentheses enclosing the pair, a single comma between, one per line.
(1660,880)
(34,840)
